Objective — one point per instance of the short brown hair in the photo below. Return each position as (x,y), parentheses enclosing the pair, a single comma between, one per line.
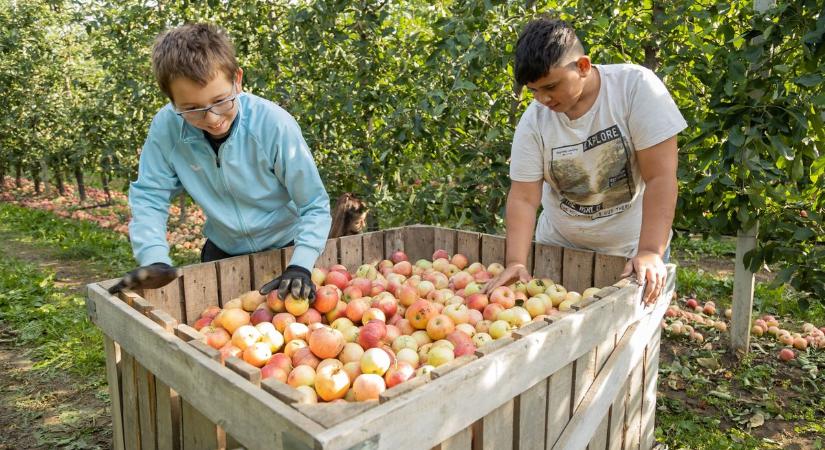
(196,51)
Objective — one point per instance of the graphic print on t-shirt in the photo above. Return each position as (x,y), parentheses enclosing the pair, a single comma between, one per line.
(593,177)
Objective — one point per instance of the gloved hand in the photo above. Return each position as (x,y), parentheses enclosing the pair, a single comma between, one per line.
(295,280)
(152,276)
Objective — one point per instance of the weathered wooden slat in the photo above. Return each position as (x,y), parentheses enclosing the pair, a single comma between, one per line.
(418,242)
(195,376)
(633,414)
(444,238)
(162,318)
(281,391)
(599,439)
(167,298)
(168,429)
(247,371)
(559,391)
(444,369)
(547,262)
(393,241)
(607,269)
(265,266)
(329,257)
(463,440)
(146,405)
(585,373)
(524,330)
(131,411)
(350,251)
(651,377)
(468,244)
(331,414)
(577,269)
(532,416)
(494,346)
(629,354)
(403,388)
(112,351)
(187,333)
(235,277)
(200,289)
(199,431)
(497,428)
(492,249)
(373,245)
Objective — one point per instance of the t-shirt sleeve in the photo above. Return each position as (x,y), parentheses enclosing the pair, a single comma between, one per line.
(526,160)
(654,116)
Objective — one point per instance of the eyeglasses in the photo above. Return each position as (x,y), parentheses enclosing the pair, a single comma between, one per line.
(220,108)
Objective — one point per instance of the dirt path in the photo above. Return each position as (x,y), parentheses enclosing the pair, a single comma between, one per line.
(48,410)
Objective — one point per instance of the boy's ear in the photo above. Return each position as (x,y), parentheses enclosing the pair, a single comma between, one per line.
(583,64)
(239,78)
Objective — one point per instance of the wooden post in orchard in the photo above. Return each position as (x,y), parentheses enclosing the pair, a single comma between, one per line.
(740,327)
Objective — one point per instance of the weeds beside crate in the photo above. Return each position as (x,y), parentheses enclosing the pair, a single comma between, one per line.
(586,377)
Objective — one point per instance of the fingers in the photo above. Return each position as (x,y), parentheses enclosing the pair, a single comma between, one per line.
(283,289)
(118,287)
(628,269)
(269,287)
(297,288)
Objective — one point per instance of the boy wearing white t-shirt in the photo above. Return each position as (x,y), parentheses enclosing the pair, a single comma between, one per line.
(597,150)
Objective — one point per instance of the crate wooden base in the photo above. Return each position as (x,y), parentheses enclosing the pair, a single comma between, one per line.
(583,379)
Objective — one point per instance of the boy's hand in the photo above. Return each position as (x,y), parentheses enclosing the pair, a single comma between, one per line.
(650,270)
(295,280)
(152,276)
(512,272)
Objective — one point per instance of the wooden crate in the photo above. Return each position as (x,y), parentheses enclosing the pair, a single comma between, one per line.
(585,379)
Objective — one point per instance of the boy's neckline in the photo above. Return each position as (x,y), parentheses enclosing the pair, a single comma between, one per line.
(591,109)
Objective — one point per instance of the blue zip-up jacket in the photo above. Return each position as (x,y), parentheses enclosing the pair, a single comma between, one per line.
(262,191)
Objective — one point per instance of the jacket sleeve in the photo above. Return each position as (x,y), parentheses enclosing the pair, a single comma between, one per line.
(297,171)
(149,199)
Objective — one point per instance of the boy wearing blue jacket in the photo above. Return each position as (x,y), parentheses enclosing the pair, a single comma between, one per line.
(240,157)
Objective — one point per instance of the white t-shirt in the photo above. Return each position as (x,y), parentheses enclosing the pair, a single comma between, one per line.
(592,190)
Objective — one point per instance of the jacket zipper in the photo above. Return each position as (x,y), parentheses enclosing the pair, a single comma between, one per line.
(234,201)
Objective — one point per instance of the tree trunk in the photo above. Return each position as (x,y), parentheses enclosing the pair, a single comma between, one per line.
(81,186)
(104,179)
(36,179)
(18,175)
(58,181)
(652,49)
(44,177)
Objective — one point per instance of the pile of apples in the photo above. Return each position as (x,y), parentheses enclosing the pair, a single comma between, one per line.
(682,322)
(813,337)
(686,322)
(381,326)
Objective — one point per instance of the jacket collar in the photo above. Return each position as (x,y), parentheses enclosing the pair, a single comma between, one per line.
(190,134)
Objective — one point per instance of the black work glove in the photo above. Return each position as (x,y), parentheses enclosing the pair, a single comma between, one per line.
(152,276)
(295,280)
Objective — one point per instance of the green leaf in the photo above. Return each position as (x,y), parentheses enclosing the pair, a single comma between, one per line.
(809,80)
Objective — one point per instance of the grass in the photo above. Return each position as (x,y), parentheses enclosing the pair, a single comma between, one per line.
(51,321)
